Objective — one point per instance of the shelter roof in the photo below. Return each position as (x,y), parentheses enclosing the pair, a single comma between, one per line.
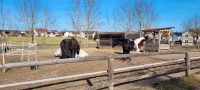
(157,29)
(110,33)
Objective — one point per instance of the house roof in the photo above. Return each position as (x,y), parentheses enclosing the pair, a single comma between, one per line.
(157,29)
(52,31)
(40,30)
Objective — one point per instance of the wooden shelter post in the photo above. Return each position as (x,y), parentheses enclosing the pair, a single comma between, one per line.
(159,40)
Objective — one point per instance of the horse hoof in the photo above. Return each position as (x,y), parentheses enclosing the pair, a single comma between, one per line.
(34,67)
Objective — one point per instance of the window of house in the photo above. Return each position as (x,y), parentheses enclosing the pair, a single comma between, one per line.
(186,35)
(186,41)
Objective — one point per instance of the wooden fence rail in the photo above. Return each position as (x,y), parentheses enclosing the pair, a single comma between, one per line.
(92,58)
(111,72)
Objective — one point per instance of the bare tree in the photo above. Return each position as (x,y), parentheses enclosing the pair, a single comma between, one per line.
(124,16)
(91,13)
(2,14)
(145,14)
(29,12)
(193,25)
(187,24)
(76,15)
(85,18)
(47,21)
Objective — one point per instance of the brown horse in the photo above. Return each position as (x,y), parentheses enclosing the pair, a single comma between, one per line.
(69,47)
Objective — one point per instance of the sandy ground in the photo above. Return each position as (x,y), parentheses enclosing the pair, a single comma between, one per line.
(25,74)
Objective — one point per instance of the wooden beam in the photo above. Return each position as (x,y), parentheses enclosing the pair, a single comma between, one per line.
(91,58)
(146,76)
(50,62)
(140,67)
(147,54)
(66,78)
(110,74)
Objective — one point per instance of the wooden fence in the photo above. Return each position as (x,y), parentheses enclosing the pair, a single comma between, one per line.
(110,71)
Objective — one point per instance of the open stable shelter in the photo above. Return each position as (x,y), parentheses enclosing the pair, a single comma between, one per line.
(105,38)
(132,35)
(160,38)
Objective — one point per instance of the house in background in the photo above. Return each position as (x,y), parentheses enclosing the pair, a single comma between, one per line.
(16,33)
(44,32)
(52,33)
(40,32)
(187,39)
(80,34)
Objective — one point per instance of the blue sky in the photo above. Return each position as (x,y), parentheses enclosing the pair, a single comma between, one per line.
(169,12)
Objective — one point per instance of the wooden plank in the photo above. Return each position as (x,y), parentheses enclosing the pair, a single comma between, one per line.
(147,54)
(153,65)
(110,74)
(146,76)
(91,58)
(66,78)
(51,62)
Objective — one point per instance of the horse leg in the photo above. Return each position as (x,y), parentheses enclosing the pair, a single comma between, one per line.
(124,52)
(64,53)
(137,48)
(73,53)
(129,57)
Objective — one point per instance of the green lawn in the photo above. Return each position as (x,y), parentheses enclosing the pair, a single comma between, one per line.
(47,40)
(39,40)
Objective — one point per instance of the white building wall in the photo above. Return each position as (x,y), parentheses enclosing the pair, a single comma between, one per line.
(187,39)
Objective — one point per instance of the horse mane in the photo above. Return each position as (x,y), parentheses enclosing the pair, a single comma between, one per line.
(69,47)
(118,41)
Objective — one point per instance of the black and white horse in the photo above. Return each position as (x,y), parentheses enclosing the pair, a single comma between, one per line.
(82,53)
(139,42)
(129,44)
(69,48)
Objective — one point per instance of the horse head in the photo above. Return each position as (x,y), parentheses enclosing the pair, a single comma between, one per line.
(131,44)
(146,37)
(118,41)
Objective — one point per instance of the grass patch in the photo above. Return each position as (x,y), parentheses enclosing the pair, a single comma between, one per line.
(188,83)
(48,40)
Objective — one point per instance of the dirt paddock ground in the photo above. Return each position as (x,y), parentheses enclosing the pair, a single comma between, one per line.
(25,74)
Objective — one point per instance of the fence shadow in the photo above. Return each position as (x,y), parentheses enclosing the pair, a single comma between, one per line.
(47,85)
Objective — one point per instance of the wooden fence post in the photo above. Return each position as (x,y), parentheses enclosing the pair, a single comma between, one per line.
(3,52)
(187,60)
(110,74)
